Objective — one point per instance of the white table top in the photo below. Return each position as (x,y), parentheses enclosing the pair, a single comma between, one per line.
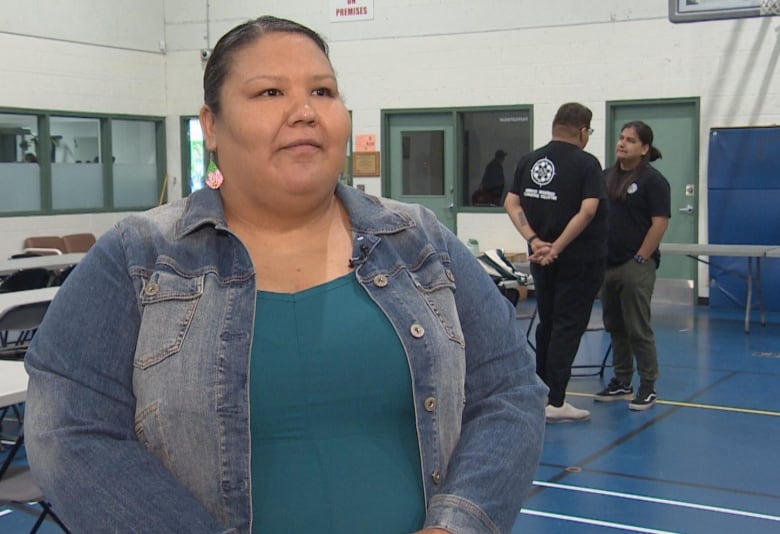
(13,382)
(52,261)
(31,296)
(774,253)
(706,249)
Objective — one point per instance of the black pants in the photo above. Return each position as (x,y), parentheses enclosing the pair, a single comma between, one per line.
(565,291)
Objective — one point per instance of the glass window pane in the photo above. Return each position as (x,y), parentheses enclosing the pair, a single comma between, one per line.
(77,179)
(199,159)
(423,162)
(134,151)
(493,143)
(20,175)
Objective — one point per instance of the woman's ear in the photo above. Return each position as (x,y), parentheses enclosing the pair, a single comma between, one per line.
(208,125)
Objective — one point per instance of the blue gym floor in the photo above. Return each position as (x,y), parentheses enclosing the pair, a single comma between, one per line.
(703,460)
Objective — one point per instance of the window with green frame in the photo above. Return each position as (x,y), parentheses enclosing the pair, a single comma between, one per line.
(492,141)
(64,162)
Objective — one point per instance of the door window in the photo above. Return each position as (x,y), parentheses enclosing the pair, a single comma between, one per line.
(423,162)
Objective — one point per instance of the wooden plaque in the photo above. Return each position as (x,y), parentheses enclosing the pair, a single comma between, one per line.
(365,163)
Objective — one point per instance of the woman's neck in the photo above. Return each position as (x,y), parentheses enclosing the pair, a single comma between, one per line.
(629,165)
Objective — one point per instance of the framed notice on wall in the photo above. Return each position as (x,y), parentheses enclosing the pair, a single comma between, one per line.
(700,10)
(365,163)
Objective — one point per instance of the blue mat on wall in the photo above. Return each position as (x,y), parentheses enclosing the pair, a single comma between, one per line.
(744,208)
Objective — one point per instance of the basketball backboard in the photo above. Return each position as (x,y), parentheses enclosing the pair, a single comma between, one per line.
(699,10)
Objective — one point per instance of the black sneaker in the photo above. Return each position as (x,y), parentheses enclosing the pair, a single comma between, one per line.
(644,400)
(616,390)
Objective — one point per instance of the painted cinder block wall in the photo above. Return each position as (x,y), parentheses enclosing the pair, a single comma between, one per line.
(413,54)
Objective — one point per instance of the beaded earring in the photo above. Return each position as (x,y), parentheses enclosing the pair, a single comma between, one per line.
(215,177)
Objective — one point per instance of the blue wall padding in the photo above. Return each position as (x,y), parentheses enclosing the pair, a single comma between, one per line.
(744,208)
(744,216)
(744,158)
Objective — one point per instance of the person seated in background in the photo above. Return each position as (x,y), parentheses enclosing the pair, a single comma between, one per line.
(491,187)
(279,352)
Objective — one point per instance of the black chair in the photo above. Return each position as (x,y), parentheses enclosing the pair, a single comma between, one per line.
(59,277)
(594,325)
(25,279)
(25,319)
(18,489)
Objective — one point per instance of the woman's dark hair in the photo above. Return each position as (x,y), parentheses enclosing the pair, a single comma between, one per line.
(617,181)
(239,37)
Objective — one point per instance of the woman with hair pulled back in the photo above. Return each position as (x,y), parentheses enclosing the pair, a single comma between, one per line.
(639,212)
(278,352)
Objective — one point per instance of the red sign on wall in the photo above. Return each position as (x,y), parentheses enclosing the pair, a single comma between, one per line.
(346,10)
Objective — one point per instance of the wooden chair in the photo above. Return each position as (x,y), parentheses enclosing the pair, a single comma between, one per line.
(78,242)
(42,245)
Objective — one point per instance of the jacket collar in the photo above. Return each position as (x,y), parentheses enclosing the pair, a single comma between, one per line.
(368,214)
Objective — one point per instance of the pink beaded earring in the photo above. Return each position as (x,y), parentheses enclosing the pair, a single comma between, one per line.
(215,177)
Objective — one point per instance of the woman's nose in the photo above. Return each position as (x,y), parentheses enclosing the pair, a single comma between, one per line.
(303,112)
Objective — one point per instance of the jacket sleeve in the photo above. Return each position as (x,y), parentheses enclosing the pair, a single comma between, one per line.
(79,427)
(492,467)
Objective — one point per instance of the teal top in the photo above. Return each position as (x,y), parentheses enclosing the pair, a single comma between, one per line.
(334,438)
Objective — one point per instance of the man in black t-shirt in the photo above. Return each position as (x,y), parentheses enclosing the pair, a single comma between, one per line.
(557,203)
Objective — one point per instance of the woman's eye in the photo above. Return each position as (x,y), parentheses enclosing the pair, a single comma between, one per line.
(270,92)
(323,91)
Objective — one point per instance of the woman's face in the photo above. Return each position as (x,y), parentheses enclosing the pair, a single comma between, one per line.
(630,149)
(283,128)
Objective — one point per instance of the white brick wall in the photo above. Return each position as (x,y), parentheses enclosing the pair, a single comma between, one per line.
(414,54)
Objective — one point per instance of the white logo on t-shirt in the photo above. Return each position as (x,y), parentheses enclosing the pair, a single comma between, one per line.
(632,188)
(542,172)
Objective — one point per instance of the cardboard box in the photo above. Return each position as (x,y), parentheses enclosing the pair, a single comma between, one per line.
(516,257)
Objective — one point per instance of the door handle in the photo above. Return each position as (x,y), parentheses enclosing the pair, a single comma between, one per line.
(687,209)
(451,206)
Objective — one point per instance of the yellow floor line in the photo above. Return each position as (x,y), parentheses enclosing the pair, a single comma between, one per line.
(696,405)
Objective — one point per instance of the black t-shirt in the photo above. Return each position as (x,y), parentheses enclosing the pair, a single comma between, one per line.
(552,182)
(649,195)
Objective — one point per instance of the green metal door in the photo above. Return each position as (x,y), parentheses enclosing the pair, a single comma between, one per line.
(675,125)
(421,162)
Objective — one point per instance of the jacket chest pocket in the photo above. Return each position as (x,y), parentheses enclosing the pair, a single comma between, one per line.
(436,284)
(168,304)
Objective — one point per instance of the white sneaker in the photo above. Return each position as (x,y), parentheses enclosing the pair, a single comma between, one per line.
(565,414)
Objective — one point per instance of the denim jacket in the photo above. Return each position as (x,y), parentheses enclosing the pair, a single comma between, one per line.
(138,404)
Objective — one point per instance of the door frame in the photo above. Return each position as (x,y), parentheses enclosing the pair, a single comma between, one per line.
(386,153)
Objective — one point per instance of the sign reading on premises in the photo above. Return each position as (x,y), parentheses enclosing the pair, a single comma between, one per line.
(346,10)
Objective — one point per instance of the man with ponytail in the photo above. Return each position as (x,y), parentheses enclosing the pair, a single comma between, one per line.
(639,212)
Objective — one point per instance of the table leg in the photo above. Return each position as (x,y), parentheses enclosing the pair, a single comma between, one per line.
(760,291)
(749,294)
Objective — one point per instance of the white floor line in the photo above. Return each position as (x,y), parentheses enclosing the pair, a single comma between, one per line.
(576,519)
(635,497)
(5,512)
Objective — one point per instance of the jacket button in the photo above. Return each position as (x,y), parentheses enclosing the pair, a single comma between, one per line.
(430,404)
(151,289)
(417,331)
(380,280)
(436,476)
(450,276)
